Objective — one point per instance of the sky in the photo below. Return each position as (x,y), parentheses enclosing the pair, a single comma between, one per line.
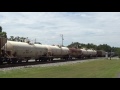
(47,27)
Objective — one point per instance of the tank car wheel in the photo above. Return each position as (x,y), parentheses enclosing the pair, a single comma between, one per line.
(71,58)
(19,61)
(1,62)
(14,61)
(8,61)
(45,60)
(39,60)
(35,60)
(51,59)
(26,61)
(42,60)
(66,58)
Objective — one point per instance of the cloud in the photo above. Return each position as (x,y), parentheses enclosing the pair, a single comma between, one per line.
(46,27)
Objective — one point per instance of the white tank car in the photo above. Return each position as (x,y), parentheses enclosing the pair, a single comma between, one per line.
(40,50)
(54,50)
(84,52)
(65,51)
(91,52)
(94,53)
(21,49)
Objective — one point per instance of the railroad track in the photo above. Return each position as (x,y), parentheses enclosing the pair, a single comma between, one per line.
(5,65)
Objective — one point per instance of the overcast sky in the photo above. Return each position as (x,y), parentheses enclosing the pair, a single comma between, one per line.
(46,27)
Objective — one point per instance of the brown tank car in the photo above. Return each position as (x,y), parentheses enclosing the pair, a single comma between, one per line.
(100,53)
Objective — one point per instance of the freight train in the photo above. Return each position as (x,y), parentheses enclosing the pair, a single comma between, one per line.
(16,52)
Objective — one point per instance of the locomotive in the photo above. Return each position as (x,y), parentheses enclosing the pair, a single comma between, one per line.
(16,52)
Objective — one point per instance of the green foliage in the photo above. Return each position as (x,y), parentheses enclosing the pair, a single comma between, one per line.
(3,34)
(81,45)
(19,39)
(0,29)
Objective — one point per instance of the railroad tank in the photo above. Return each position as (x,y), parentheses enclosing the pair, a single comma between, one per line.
(54,50)
(65,51)
(57,51)
(41,50)
(94,53)
(91,52)
(20,50)
(75,52)
(84,52)
(100,53)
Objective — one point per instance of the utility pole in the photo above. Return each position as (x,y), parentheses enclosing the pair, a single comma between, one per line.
(62,38)
(35,41)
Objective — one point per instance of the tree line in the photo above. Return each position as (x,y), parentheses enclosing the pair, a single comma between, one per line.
(17,38)
(20,39)
(2,33)
(104,47)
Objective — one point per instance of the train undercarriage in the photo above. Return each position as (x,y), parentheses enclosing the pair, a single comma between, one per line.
(7,57)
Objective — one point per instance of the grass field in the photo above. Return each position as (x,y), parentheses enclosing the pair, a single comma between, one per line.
(92,69)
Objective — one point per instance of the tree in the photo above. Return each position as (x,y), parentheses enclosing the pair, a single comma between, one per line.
(2,34)
(0,29)
(17,38)
(12,38)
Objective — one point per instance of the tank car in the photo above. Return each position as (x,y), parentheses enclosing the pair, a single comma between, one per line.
(84,53)
(94,53)
(91,53)
(74,52)
(57,52)
(100,53)
(65,53)
(18,51)
(41,52)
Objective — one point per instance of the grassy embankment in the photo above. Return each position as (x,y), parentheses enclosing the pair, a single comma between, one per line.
(92,69)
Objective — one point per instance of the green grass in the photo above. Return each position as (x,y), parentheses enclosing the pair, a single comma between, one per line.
(92,69)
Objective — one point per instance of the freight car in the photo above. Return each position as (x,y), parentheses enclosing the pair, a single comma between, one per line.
(58,52)
(75,53)
(13,52)
(101,53)
(82,53)
(88,53)
(18,51)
